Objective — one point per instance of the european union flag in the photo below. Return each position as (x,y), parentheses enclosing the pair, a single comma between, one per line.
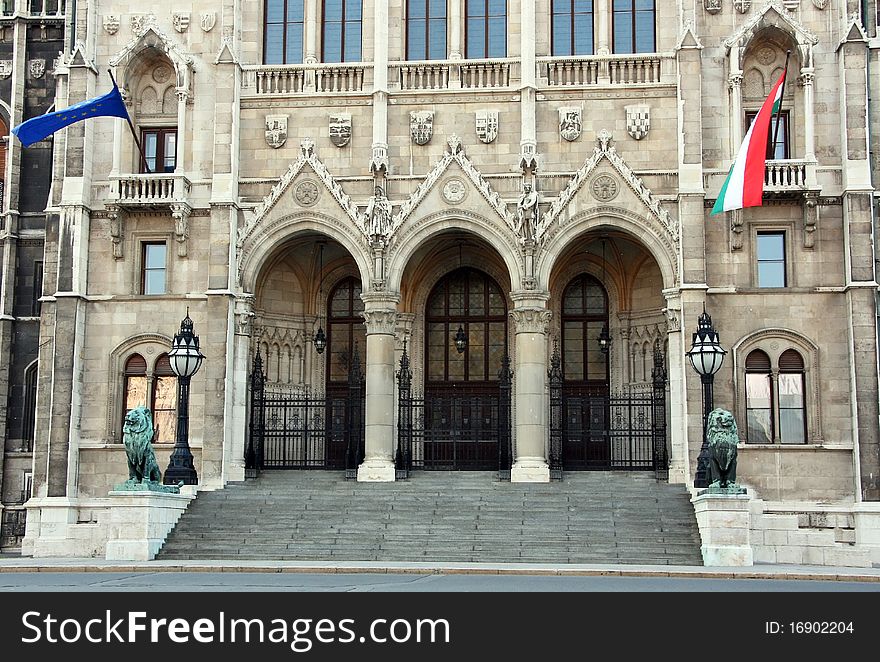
(37,128)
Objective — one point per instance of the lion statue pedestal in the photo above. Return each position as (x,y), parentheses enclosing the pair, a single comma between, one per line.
(143,511)
(723,437)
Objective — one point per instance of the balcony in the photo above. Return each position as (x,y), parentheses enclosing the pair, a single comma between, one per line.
(150,191)
(292,79)
(789,176)
(585,71)
(428,75)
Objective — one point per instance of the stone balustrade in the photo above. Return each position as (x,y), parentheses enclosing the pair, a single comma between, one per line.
(783,175)
(271,80)
(583,71)
(46,9)
(146,190)
(453,74)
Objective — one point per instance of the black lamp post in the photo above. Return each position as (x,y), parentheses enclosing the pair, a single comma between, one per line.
(320,338)
(604,336)
(706,356)
(186,359)
(461,340)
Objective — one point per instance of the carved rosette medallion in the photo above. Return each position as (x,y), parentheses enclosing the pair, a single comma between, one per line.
(605,188)
(454,191)
(307,193)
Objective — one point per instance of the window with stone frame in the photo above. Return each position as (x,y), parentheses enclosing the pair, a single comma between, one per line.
(771,259)
(29,414)
(486,28)
(776,403)
(160,150)
(572,26)
(283,26)
(164,401)
(134,385)
(154,268)
(778,139)
(634,26)
(426,30)
(342,26)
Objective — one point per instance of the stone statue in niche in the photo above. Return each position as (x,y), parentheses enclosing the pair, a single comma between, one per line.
(378,215)
(527,214)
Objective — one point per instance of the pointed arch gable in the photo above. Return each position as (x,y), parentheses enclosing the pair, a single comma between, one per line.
(772,15)
(454,154)
(662,223)
(150,37)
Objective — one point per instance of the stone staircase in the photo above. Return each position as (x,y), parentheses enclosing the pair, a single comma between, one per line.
(441,517)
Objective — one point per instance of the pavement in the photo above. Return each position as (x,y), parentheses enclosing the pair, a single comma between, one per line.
(760,572)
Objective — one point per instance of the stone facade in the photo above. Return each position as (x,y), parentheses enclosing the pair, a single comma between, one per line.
(626,152)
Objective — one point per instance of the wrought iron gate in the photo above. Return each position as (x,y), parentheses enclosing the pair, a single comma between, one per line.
(595,429)
(453,432)
(294,429)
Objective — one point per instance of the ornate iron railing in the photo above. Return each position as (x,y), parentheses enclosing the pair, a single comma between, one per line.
(295,429)
(597,429)
(460,431)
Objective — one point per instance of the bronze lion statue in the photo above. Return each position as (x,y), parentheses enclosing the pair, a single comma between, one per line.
(137,435)
(722,436)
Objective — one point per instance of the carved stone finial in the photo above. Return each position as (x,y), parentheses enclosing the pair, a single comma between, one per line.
(605,139)
(454,143)
(307,145)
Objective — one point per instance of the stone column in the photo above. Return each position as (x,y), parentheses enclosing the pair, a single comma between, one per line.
(603,27)
(311,31)
(679,467)
(182,135)
(239,371)
(380,318)
(807,78)
(531,321)
(455,29)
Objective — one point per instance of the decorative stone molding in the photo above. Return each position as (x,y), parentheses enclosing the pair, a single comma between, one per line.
(276,130)
(604,188)
(638,121)
(5,69)
(207,20)
(37,68)
(531,320)
(528,156)
(606,151)
(454,190)
(140,23)
(736,229)
(244,315)
(111,24)
(180,20)
(307,157)
(570,122)
(820,4)
(773,13)
(742,6)
(421,126)
(379,159)
(673,320)
(380,322)
(181,213)
(712,6)
(487,125)
(115,216)
(811,220)
(339,129)
(454,154)
(307,193)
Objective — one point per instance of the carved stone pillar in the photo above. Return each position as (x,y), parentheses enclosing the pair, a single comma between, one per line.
(531,321)
(679,466)
(239,370)
(182,135)
(380,318)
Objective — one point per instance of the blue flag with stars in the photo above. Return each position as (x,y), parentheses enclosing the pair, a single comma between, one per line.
(37,128)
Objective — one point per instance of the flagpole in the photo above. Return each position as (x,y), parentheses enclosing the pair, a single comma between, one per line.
(781,98)
(133,132)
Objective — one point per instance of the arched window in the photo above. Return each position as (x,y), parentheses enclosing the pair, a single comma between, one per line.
(759,398)
(634,26)
(29,415)
(473,301)
(792,403)
(164,401)
(342,31)
(426,29)
(584,314)
(572,27)
(486,28)
(135,387)
(346,327)
(283,32)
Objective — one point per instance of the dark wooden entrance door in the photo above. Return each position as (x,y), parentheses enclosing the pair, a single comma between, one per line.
(586,441)
(461,409)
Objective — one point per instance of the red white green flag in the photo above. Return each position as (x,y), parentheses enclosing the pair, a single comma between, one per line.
(744,186)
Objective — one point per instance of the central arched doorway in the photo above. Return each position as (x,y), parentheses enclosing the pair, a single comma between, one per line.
(462,384)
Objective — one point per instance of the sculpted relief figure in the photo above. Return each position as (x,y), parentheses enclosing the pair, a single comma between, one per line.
(527,214)
(378,215)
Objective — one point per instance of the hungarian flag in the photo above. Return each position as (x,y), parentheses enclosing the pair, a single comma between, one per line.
(745,183)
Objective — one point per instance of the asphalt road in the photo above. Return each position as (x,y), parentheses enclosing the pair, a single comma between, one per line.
(430,583)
